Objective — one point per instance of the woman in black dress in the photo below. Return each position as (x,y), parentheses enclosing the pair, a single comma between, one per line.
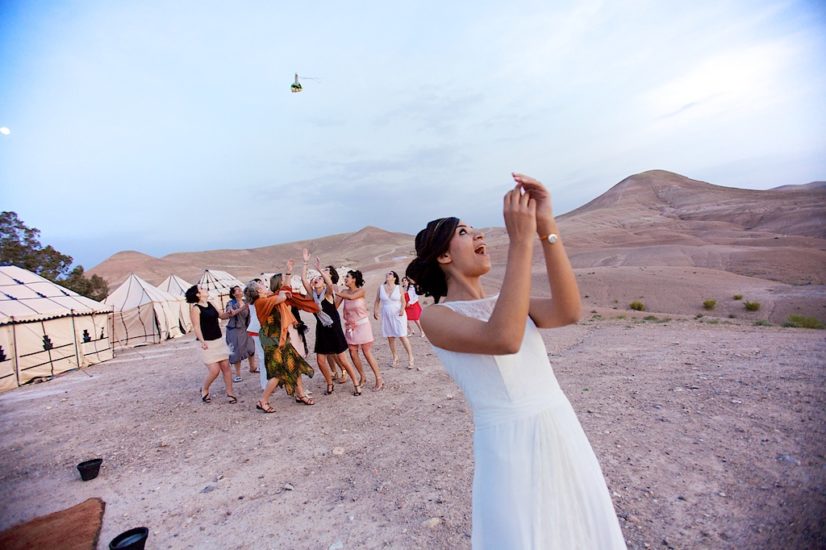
(330,343)
(214,350)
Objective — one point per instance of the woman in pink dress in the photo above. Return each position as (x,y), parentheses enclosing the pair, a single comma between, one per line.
(357,329)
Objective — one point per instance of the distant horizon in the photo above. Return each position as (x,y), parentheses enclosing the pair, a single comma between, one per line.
(413,233)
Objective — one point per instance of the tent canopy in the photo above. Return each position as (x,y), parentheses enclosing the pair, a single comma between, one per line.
(174,285)
(25,296)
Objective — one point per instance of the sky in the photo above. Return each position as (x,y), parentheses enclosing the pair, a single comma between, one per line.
(170,127)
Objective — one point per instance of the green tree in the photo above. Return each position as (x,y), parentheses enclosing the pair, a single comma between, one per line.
(20,246)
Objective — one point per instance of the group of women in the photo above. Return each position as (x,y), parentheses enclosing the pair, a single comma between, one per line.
(537,482)
(265,316)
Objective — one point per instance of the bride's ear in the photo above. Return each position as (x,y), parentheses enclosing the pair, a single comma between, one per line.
(444,258)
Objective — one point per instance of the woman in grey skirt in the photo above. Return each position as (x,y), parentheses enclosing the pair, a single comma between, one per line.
(241,346)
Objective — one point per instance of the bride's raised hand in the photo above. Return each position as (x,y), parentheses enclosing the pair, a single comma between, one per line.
(519,211)
(539,193)
(290,264)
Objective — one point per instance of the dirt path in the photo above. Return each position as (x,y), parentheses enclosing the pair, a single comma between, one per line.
(710,436)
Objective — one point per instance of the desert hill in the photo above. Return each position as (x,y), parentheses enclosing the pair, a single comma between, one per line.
(370,246)
(656,236)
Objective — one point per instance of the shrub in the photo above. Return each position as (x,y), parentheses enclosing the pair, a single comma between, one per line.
(650,318)
(636,305)
(762,323)
(738,297)
(713,321)
(752,306)
(799,321)
(709,304)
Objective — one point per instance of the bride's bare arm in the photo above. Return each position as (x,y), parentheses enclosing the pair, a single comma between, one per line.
(564,307)
(502,334)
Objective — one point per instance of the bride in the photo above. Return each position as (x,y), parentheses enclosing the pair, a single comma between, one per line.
(537,482)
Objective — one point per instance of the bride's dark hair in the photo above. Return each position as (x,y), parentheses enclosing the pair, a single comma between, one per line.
(431,242)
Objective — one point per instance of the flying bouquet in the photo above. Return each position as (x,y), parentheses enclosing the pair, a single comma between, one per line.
(295,87)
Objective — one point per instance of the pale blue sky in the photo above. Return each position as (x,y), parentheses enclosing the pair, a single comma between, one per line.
(169,126)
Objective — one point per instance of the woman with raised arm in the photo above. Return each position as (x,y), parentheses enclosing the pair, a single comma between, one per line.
(330,343)
(214,350)
(358,332)
(393,318)
(537,482)
(282,361)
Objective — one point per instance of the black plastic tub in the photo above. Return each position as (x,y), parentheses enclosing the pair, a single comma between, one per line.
(89,469)
(133,539)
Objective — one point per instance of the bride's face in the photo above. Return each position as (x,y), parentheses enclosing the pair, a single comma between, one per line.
(468,251)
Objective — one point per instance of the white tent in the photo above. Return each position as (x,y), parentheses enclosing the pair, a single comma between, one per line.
(174,285)
(46,329)
(218,284)
(177,287)
(143,313)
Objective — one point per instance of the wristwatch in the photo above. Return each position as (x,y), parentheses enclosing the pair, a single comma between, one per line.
(551,239)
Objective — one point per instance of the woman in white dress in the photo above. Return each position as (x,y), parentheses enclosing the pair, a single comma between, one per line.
(393,317)
(537,482)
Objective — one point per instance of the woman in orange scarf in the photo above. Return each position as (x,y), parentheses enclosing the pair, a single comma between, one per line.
(283,362)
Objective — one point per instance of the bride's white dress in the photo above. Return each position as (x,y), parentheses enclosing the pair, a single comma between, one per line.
(537,482)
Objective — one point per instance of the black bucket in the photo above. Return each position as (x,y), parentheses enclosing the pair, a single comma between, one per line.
(133,539)
(89,469)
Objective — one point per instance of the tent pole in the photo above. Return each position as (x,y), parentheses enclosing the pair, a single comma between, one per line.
(74,339)
(14,339)
(112,334)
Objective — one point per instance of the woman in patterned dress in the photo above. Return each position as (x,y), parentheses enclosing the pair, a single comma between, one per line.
(282,361)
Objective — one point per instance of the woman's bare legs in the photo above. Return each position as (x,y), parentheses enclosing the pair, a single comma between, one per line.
(408,349)
(253,363)
(344,364)
(237,369)
(354,356)
(213,370)
(272,383)
(421,330)
(227,372)
(324,367)
(391,341)
(367,350)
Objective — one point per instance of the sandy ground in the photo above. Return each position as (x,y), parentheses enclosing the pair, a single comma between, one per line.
(709,435)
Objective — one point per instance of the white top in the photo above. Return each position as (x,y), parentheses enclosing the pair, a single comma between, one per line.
(537,483)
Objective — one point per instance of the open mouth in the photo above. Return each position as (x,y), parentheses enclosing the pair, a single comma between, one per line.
(481,250)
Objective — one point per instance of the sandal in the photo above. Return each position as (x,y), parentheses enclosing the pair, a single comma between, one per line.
(237,379)
(330,389)
(379,385)
(205,396)
(232,399)
(342,377)
(304,399)
(265,408)
(357,391)
(256,371)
